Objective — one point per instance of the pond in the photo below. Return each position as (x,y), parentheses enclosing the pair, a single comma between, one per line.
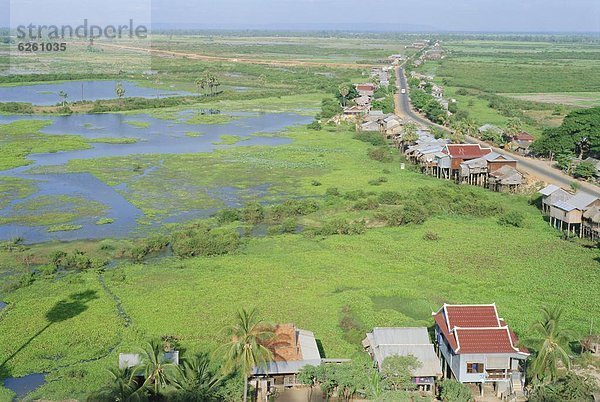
(153,136)
(2,304)
(47,94)
(24,385)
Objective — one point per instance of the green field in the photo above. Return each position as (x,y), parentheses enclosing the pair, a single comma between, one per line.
(537,81)
(73,322)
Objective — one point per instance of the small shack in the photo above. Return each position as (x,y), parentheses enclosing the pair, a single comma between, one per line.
(505,179)
(385,342)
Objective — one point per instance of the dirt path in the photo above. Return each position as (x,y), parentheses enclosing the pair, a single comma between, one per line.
(196,56)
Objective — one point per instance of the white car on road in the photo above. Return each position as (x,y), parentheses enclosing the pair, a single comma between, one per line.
(403,90)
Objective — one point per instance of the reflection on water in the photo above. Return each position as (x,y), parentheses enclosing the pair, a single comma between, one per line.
(47,94)
(153,136)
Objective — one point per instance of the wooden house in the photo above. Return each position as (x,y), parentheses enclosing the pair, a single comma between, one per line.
(477,346)
(505,179)
(591,223)
(568,214)
(356,110)
(365,89)
(459,153)
(385,342)
(437,91)
(551,194)
(292,349)
(474,171)
(496,161)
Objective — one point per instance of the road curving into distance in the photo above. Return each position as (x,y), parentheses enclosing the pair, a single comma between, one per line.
(534,167)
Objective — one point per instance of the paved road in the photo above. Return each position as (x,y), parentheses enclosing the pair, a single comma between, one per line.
(534,167)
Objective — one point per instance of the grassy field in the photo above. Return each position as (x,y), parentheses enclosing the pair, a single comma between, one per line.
(543,79)
(72,324)
(387,276)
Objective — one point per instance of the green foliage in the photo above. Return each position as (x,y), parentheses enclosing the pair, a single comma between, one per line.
(341,227)
(586,170)
(408,212)
(577,126)
(512,218)
(204,241)
(253,213)
(373,138)
(329,108)
(381,154)
(454,391)
(572,388)
(397,372)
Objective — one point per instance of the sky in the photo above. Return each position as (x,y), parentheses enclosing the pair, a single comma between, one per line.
(400,15)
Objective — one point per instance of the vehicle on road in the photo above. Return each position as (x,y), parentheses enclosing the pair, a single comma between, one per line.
(403,90)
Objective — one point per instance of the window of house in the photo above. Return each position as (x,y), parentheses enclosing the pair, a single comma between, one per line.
(473,368)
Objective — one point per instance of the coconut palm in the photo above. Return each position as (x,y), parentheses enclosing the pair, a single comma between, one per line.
(344,90)
(160,374)
(63,96)
(196,380)
(552,345)
(470,127)
(410,135)
(246,349)
(123,387)
(120,91)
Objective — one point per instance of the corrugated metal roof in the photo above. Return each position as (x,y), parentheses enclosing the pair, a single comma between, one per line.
(430,363)
(400,336)
(290,367)
(565,206)
(495,155)
(582,200)
(548,189)
(308,345)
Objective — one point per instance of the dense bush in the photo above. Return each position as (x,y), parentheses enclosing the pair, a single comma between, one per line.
(77,260)
(390,197)
(204,241)
(292,208)
(512,218)
(454,391)
(371,137)
(410,212)
(341,227)
(253,213)
(366,204)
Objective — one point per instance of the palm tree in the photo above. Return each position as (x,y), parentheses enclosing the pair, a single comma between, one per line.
(552,345)
(63,95)
(160,373)
(514,126)
(120,91)
(123,388)
(457,134)
(410,133)
(344,90)
(470,127)
(197,380)
(246,349)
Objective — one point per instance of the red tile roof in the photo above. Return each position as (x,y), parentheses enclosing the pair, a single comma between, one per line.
(466,151)
(476,329)
(523,136)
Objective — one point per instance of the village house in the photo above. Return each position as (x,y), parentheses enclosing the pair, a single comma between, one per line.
(365,89)
(448,163)
(356,110)
(568,214)
(362,101)
(520,142)
(132,360)
(433,54)
(292,349)
(591,223)
(391,126)
(477,346)
(505,179)
(551,194)
(437,91)
(386,342)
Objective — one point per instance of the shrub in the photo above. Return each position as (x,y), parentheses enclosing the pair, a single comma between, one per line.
(373,138)
(366,204)
(228,215)
(203,241)
(253,213)
(381,154)
(355,195)
(292,208)
(390,197)
(512,218)
(378,181)
(332,191)
(411,212)
(315,183)
(289,225)
(432,236)
(341,227)
(315,125)
(454,391)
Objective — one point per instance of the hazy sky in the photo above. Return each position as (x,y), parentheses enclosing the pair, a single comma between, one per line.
(452,15)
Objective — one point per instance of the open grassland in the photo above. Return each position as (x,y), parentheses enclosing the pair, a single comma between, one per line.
(337,286)
(536,81)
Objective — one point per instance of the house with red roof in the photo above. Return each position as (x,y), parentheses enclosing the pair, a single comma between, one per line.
(452,155)
(477,346)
